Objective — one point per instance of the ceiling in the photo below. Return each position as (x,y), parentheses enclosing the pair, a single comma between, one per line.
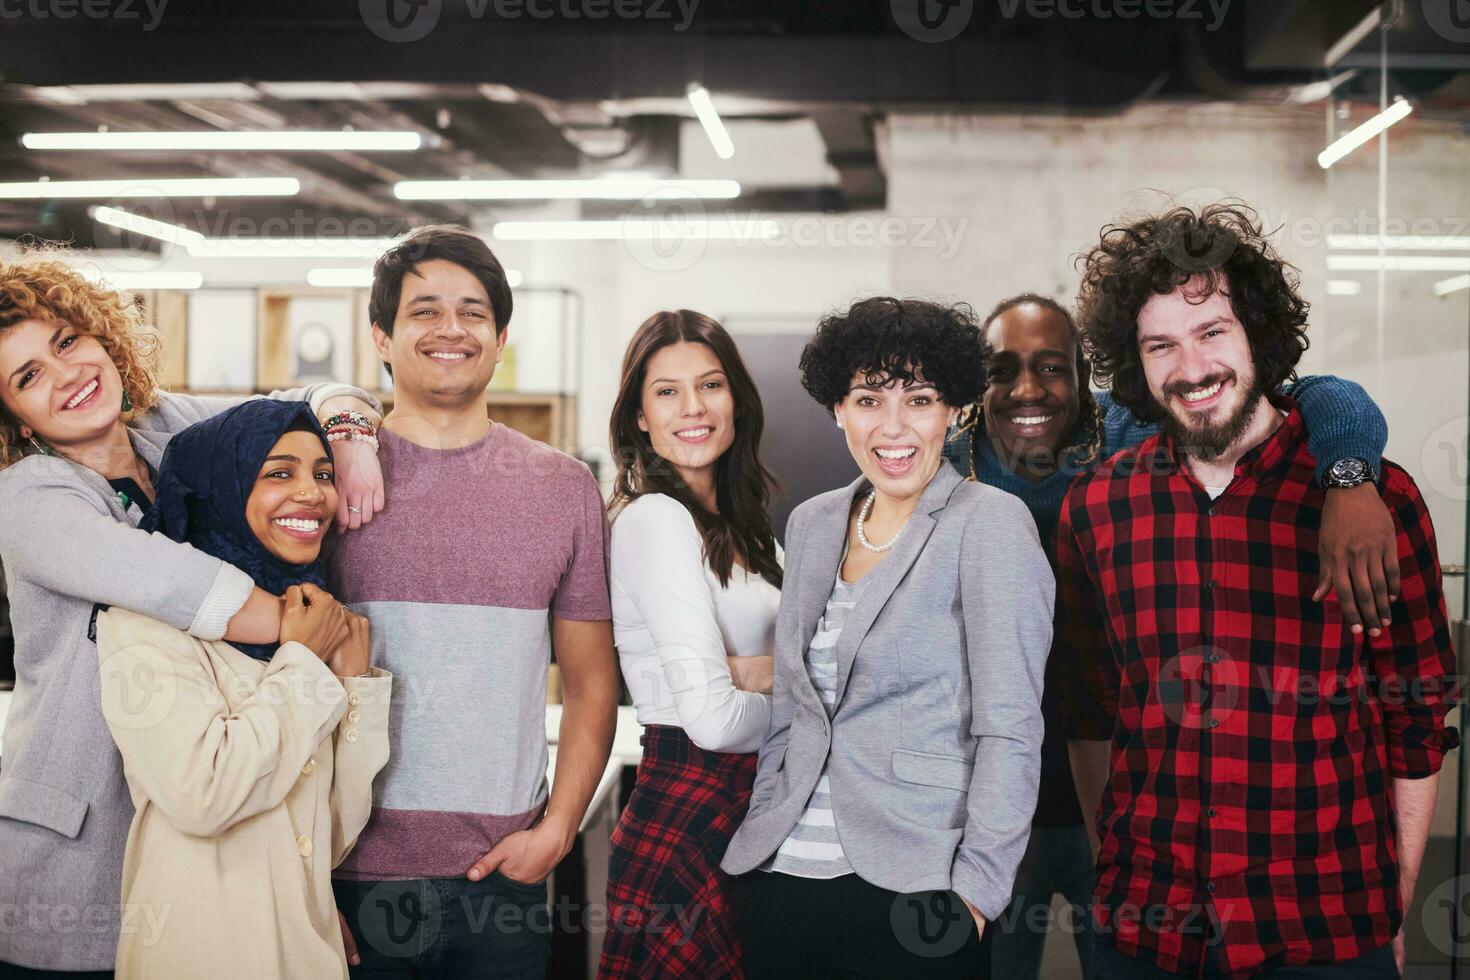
(540,88)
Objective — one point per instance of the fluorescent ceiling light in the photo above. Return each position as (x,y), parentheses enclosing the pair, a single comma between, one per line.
(291,248)
(340,278)
(704,108)
(218,140)
(599,188)
(153,187)
(152,227)
(186,92)
(1451,285)
(1355,138)
(158,279)
(362,278)
(1343,287)
(1428,243)
(1398,263)
(637,229)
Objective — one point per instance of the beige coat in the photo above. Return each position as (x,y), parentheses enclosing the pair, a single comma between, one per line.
(251,781)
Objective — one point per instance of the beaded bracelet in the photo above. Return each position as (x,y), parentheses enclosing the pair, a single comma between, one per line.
(351,419)
(354,435)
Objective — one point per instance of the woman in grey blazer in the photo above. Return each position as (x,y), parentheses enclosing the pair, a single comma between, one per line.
(894,793)
(83,427)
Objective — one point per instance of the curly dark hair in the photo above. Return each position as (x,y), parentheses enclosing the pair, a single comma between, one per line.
(1225,245)
(904,339)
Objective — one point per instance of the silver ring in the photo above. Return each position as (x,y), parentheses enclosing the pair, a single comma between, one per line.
(354,510)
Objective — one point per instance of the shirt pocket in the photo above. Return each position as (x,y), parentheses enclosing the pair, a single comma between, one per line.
(929,769)
(45,806)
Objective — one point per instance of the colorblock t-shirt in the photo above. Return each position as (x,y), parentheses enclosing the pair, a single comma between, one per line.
(460,575)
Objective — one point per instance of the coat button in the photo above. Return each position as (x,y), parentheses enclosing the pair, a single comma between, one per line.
(354,716)
(354,699)
(309,768)
(350,735)
(304,845)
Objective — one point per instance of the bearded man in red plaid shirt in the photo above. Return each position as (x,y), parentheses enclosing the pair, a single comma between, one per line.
(1266,774)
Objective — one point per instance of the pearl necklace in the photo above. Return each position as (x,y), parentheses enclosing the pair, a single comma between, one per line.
(863,517)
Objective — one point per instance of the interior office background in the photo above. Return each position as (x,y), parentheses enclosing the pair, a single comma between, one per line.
(964,151)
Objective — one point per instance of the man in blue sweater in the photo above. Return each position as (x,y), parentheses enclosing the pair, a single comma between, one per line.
(1039,425)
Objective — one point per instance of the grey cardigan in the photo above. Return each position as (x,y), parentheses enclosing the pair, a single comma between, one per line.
(67,543)
(935,739)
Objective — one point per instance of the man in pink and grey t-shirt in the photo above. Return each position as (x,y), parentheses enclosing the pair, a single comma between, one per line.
(491,552)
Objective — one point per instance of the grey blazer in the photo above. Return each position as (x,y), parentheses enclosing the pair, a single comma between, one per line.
(67,543)
(935,739)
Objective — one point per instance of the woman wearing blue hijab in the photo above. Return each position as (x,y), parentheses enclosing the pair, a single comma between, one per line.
(250,766)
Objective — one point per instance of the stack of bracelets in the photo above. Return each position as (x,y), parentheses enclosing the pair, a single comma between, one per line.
(351,427)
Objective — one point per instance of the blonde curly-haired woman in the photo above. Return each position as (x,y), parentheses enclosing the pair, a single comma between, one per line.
(83,426)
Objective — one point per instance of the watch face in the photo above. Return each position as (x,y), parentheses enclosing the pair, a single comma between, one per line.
(1349,470)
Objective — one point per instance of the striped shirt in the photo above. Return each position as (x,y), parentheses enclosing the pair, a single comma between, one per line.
(478,550)
(812,849)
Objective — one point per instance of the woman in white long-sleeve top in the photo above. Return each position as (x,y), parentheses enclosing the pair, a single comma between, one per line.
(250,766)
(695,578)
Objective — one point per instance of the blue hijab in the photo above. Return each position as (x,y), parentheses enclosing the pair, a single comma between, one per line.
(205,479)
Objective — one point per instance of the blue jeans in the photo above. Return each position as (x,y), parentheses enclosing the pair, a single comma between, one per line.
(1057,859)
(492,929)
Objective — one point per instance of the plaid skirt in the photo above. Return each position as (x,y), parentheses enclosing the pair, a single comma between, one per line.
(669,912)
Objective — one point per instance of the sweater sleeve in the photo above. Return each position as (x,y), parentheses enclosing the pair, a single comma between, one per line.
(1341,421)
(55,532)
(176,412)
(360,751)
(204,766)
(658,559)
(1121,428)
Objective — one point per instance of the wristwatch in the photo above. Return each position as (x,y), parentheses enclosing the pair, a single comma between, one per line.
(1347,472)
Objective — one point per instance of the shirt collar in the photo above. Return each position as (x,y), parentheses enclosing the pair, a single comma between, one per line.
(1274,450)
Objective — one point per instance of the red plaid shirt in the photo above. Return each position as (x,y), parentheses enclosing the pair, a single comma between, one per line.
(1254,738)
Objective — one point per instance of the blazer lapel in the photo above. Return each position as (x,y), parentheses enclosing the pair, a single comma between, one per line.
(821,554)
(883,579)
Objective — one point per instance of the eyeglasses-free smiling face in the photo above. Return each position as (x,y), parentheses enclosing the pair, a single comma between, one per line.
(688,411)
(1197,360)
(1032,403)
(59,383)
(445,345)
(895,432)
(291,506)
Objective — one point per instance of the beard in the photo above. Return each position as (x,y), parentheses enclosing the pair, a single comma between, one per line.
(1208,440)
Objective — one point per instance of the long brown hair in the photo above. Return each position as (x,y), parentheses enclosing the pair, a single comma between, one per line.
(743,485)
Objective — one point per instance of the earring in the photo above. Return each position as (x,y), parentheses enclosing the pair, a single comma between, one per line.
(840,425)
(127,403)
(41,447)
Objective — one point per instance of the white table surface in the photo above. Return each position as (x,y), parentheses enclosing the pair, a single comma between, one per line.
(626,751)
